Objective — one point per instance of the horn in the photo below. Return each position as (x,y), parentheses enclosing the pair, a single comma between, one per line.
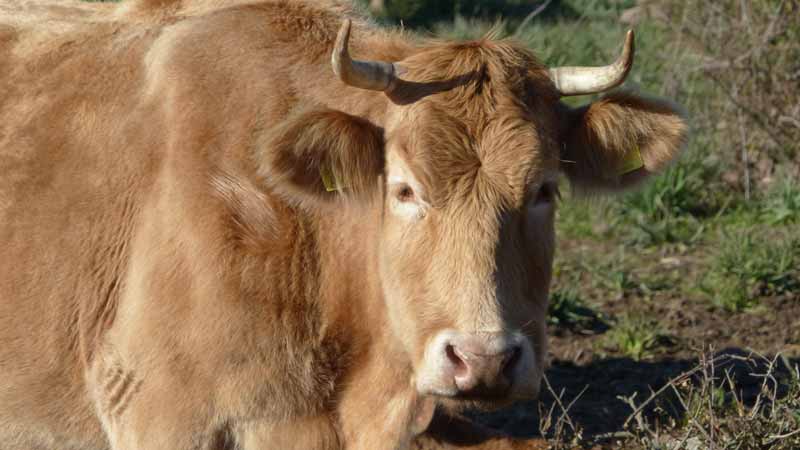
(590,80)
(372,75)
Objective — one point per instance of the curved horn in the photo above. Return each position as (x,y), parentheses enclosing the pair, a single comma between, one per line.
(372,75)
(589,80)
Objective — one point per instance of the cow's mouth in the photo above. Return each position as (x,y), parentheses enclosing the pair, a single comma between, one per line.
(481,403)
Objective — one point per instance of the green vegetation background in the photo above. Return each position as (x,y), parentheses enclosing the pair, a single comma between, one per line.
(731,206)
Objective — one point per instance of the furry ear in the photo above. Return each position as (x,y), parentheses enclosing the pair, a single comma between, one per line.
(321,154)
(620,140)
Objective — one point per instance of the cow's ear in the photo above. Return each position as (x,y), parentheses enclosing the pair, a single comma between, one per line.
(321,155)
(620,140)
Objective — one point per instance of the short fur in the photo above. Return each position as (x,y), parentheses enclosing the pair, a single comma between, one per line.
(173,275)
(294,155)
(605,131)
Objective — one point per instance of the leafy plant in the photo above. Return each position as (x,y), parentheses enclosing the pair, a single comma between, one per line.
(781,205)
(750,266)
(567,310)
(636,336)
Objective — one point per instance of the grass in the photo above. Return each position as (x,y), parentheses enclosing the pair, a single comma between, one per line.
(709,408)
(568,310)
(750,267)
(781,204)
(636,337)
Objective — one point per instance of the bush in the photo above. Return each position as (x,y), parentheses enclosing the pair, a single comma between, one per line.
(737,68)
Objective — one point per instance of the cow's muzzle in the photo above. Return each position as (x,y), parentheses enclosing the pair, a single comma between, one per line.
(475,366)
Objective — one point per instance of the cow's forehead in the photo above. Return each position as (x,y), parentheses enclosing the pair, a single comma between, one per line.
(491,131)
(474,75)
(494,158)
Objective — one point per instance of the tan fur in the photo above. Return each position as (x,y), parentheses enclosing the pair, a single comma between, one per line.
(173,276)
(294,155)
(607,130)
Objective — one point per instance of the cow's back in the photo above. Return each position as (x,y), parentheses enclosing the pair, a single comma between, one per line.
(126,143)
(74,161)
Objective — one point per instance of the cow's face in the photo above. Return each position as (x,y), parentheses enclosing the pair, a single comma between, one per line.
(465,169)
(467,239)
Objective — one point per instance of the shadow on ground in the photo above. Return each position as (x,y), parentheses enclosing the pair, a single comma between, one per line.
(599,409)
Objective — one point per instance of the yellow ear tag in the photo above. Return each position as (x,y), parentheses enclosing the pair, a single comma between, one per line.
(632,161)
(328,179)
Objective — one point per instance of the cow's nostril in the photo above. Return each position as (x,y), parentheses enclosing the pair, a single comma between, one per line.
(459,366)
(511,362)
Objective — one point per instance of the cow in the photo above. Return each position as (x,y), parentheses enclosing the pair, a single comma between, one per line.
(273,225)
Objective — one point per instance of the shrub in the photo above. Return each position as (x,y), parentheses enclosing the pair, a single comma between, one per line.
(737,69)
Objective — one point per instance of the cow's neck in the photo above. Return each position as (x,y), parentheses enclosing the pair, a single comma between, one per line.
(349,239)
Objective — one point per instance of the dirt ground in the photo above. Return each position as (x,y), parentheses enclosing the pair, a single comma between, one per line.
(583,365)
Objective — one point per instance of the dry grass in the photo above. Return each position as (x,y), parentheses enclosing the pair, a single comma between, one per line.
(710,411)
(703,408)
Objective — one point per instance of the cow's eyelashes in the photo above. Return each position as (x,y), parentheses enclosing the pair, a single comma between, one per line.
(404,193)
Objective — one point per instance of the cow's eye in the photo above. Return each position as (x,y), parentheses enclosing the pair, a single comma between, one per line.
(548,193)
(404,193)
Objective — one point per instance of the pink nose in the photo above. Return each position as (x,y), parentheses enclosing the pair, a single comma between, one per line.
(483,367)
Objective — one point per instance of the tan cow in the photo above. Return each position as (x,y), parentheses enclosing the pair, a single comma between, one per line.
(221,231)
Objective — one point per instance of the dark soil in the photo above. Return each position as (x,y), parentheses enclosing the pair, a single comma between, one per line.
(582,364)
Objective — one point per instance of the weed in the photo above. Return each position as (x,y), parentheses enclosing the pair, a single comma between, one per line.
(672,207)
(611,275)
(781,205)
(749,267)
(567,310)
(563,433)
(678,192)
(636,337)
(576,218)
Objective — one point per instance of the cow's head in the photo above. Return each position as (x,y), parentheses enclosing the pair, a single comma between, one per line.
(465,167)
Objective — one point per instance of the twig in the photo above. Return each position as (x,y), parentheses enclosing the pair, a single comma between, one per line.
(782,436)
(530,17)
(680,377)
(558,401)
(745,159)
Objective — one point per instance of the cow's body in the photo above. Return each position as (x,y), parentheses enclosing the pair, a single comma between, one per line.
(154,293)
(110,239)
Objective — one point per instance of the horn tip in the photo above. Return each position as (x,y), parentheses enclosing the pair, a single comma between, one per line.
(344,34)
(626,57)
(630,46)
(339,53)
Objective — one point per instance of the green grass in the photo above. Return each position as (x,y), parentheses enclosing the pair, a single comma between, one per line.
(753,266)
(636,337)
(568,310)
(781,204)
